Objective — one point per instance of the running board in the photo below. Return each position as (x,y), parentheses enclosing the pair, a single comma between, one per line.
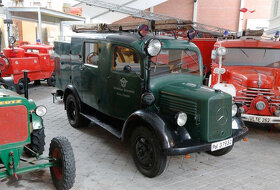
(105,126)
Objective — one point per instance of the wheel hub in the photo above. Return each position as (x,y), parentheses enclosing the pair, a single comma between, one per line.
(144,152)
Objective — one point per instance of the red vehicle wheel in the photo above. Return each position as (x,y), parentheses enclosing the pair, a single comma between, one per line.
(64,171)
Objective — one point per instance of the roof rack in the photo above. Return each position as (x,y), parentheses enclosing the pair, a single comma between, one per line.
(154,25)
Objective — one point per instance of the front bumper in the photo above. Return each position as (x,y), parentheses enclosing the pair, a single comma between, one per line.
(191,146)
(260,118)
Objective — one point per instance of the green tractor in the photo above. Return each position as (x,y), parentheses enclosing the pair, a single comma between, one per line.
(21,129)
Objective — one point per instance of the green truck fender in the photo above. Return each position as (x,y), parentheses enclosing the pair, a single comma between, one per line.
(37,122)
(70,89)
(153,122)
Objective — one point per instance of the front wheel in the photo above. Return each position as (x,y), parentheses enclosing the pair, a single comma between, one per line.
(64,170)
(146,152)
(221,152)
(75,119)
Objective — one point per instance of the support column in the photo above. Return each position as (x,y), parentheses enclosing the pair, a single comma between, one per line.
(241,15)
(61,31)
(195,2)
(40,24)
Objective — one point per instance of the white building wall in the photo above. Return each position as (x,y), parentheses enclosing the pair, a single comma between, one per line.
(274,22)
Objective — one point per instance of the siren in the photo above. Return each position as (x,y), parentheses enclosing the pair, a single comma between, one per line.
(143,30)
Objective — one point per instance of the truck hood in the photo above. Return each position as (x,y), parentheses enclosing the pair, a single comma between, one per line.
(252,77)
(185,87)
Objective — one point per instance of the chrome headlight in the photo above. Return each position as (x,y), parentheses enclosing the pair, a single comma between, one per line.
(181,119)
(40,111)
(221,51)
(234,109)
(153,47)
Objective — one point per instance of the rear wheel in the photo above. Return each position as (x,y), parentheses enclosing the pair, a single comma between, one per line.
(64,170)
(20,86)
(75,119)
(37,143)
(221,152)
(146,152)
(51,81)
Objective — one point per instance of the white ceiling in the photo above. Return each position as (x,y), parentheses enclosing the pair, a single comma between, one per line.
(97,15)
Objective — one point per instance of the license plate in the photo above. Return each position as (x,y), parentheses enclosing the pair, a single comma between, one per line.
(257,119)
(221,144)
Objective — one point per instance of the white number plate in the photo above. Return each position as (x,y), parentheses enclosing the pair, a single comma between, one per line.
(257,119)
(221,144)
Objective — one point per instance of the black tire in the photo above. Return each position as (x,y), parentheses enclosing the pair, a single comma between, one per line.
(37,143)
(221,152)
(64,170)
(37,83)
(51,81)
(20,86)
(146,152)
(75,119)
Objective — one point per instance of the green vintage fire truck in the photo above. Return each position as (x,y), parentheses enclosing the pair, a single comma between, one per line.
(146,90)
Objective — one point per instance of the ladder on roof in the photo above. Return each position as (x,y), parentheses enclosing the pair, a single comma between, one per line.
(213,30)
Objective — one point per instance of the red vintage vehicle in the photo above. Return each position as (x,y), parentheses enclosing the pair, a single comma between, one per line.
(36,59)
(249,69)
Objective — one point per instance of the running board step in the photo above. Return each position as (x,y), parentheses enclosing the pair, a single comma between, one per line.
(105,126)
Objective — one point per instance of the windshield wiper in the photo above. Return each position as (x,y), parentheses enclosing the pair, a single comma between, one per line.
(191,57)
(264,53)
(244,52)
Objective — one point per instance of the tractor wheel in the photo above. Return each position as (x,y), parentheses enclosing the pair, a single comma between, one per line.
(221,152)
(64,170)
(37,143)
(51,81)
(75,119)
(20,86)
(146,152)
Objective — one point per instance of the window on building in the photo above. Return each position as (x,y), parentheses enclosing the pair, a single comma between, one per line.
(126,59)
(91,53)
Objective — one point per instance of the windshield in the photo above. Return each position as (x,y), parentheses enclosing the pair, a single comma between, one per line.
(252,57)
(174,62)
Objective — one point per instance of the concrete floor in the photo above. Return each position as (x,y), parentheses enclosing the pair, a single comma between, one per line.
(104,163)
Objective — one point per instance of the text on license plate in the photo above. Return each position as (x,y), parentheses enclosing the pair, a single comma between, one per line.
(221,144)
(259,119)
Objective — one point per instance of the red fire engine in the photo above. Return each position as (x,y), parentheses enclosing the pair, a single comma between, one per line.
(249,69)
(36,59)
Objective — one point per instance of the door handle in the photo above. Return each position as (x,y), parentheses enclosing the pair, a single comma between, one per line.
(108,77)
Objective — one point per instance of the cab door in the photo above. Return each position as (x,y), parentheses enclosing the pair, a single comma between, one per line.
(90,73)
(124,82)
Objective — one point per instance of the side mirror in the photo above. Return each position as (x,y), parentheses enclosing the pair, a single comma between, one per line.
(12,40)
(213,54)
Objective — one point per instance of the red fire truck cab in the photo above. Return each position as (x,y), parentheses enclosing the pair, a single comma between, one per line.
(249,69)
(36,59)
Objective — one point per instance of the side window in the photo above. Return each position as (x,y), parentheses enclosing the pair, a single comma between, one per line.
(126,59)
(91,53)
